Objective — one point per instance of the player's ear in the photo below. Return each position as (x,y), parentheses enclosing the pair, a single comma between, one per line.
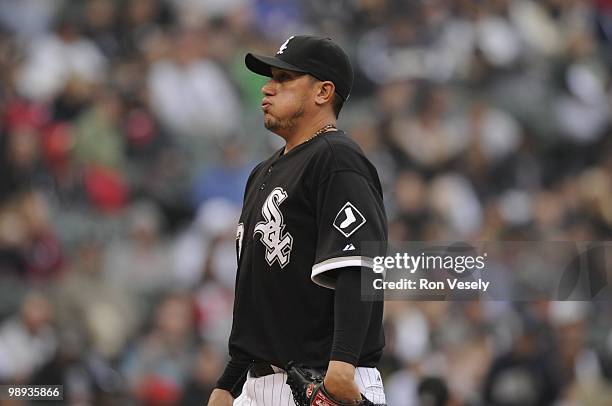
(325,92)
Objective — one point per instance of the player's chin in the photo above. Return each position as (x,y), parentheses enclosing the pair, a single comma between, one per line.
(270,122)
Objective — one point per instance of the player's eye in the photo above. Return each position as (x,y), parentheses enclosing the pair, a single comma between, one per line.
(282,77)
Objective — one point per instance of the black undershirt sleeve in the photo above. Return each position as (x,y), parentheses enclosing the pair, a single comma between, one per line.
(234,376)
(351,316)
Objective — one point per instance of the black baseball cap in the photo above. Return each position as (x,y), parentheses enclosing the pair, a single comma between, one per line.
(317,56)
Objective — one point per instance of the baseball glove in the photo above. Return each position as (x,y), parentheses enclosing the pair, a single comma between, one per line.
(308,390)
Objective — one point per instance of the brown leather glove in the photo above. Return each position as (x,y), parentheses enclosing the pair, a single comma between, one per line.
(308,390)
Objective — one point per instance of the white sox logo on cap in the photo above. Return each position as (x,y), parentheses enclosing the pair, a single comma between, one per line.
(278,246)
(284,45)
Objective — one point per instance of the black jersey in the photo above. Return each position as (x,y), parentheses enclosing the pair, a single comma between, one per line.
(305,214)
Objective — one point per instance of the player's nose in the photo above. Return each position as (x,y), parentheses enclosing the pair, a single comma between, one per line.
(268,88)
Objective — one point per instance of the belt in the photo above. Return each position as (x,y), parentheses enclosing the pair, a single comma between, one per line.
(259,369)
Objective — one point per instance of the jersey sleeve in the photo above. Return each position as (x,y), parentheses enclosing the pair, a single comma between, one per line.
(351,222)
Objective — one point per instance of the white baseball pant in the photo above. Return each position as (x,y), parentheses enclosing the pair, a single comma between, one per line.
(271,390)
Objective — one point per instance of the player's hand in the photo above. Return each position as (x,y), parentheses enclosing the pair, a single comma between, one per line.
(220,397)
(340,382)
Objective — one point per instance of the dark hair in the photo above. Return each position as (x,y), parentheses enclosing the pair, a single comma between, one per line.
(337,104)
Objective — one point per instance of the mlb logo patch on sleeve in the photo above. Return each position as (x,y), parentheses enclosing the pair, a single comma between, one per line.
(348,220)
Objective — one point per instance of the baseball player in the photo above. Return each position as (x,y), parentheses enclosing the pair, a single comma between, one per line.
(301,332)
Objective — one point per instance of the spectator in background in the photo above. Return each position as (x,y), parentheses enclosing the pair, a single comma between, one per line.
(28,18)
(99,141)
(525,375)
(138,22)
(369,136)
(100,154)
(215,222)
(278,19)
(53,58)
(208,365)
(185,90)
(410,344)
(225,178)
(43,253)
(29,245)
(493,138)
(158,365)
(141,261)
(20,169)
(13,240)
(20,162)
(576,365)
(454,201)
(72,99)
(86,377)
(411,205)
(464,340)
(27,341)
(214,298)
(428,141)
(196,12)
(101,312)
(100,26)
(433,392)
(214,301)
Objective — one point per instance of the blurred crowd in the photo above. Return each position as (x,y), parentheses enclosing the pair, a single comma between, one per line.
(128,129)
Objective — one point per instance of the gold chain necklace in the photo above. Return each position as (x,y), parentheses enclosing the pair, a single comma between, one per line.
(322,130)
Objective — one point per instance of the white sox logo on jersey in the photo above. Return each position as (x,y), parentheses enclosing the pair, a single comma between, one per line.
(348,220)
(278,246)
(239,236)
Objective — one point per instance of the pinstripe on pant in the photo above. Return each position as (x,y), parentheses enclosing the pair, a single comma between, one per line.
(271,390)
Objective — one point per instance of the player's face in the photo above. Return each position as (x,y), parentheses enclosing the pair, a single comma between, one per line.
(285,98)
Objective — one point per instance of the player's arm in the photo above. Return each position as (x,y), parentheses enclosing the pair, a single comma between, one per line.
(349,334)
(233,376)
(340,382)
(350,213)
(220,397)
